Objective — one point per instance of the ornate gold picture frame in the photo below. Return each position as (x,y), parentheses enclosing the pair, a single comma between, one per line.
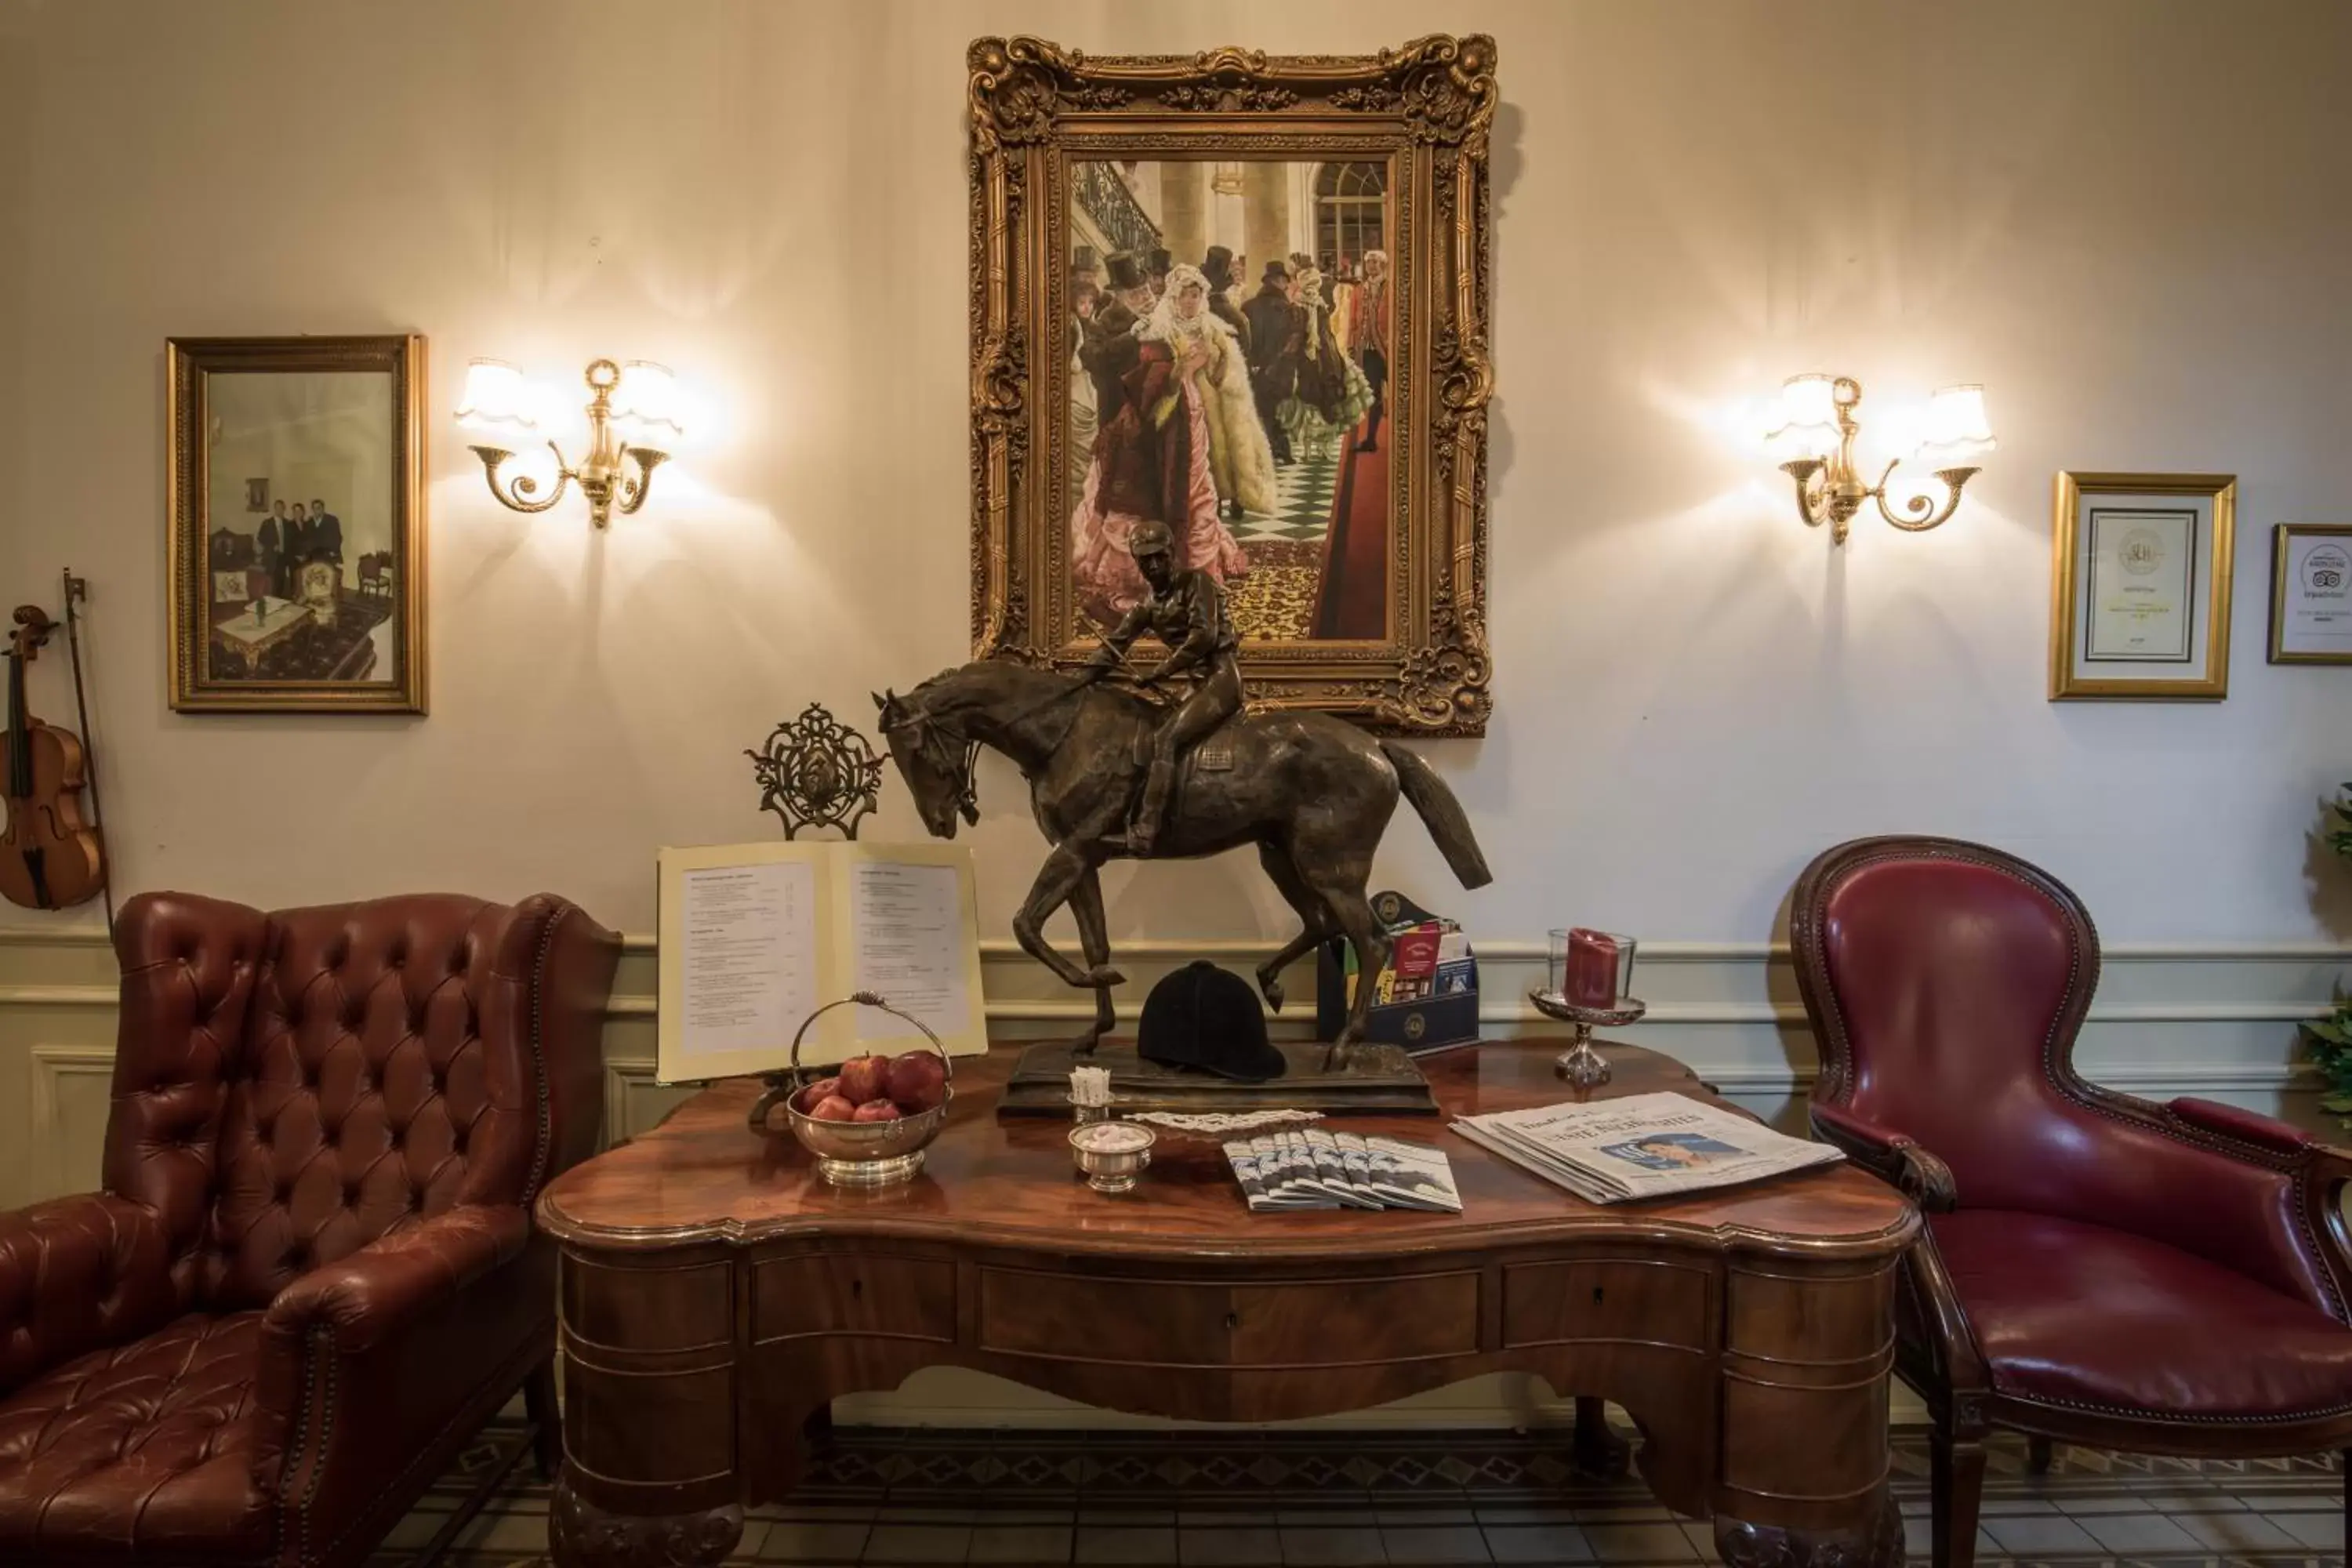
(2139,586)
(1320,445)
(296,524)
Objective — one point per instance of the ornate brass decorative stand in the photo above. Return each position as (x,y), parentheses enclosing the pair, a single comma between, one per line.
(816,771)
(1581,1064)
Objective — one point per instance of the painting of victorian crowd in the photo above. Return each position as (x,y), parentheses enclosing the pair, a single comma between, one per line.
(1246,414)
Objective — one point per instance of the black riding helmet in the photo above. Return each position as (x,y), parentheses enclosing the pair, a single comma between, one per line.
(1206,1017)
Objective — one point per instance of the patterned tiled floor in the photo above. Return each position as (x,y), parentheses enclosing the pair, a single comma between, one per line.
(1302,511)
(877,1497)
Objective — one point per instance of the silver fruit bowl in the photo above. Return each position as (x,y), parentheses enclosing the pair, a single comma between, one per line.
(858,1153)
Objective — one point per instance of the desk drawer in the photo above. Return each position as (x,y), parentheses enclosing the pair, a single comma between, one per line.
(854,1293)
(1409,1319)
(1169,1323)
(1599,1299)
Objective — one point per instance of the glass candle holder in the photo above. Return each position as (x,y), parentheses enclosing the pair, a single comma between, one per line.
(1591,968)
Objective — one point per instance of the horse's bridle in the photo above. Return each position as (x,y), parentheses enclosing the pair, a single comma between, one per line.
(926,725)
(932,736)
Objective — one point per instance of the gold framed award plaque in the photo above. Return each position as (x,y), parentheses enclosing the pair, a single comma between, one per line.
(2139,597)
(2311,593)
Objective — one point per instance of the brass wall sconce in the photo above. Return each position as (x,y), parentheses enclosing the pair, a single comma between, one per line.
(1814,442)
(635,399)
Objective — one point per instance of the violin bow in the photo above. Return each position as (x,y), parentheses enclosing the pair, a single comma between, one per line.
(77,590)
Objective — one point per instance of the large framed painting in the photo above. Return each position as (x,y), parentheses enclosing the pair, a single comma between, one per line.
(1244,297)
(297,526)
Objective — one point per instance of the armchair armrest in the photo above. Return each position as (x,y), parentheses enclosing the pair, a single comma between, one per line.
(385,1286)
(364,1361)
(80,1274)
(1890,1156)
(2245,1126)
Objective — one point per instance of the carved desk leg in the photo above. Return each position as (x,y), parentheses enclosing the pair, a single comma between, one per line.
(650,1476)
(1876,1544)
(1808,1349)
(581,1535)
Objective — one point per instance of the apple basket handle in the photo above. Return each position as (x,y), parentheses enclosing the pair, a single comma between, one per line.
(783,1085)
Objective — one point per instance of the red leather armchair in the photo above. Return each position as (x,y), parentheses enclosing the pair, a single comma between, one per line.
(310,1275)
(2095,1268)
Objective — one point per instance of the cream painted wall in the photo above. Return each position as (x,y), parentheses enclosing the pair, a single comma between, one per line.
(2128,218)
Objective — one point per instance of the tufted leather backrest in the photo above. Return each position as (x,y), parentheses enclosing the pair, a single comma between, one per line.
(188,966)
(291,1087)
(1945,982)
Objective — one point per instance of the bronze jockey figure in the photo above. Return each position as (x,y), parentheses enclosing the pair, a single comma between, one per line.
(1186,611)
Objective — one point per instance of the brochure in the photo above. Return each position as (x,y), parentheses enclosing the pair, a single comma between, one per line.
(1322,1169)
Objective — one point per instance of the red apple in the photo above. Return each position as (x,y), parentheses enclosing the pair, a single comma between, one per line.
(833,1108)
(861,1078)
(823,1089)
(876,1110)
(918,1081)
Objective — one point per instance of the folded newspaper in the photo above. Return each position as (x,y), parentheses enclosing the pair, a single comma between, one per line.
(1313,1168)
(1642,1147)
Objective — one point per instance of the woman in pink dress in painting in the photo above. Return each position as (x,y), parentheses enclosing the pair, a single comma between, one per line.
(1151,457)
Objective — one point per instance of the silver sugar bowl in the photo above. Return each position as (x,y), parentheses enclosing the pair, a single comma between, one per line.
(1112,1154)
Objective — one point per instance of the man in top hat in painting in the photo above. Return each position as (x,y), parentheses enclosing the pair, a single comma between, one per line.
(1268,312)
(1156,264)
(1109,349)
(1217,267)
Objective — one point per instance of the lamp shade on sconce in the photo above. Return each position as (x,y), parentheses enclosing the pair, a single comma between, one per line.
(632,422)
(1813,445)
(495,400)
(645,405)
(1957,434)
(1808,428)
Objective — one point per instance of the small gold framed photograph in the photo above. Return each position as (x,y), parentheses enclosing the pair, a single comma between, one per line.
(296,525)
(2311,593)
(2139,594)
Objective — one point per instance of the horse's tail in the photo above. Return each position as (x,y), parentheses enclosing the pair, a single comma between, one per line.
(1441,814)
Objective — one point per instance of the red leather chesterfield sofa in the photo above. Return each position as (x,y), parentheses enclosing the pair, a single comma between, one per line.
(310,1274)
(2095,1268)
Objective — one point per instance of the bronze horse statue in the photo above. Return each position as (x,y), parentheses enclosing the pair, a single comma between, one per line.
(1313,792)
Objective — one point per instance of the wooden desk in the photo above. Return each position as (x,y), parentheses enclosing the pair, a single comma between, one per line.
(716,1295)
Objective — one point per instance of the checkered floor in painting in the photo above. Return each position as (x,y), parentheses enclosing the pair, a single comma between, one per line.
(884,1497)
(1303,504)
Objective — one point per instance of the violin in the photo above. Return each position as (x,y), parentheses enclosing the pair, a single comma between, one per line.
(49,859)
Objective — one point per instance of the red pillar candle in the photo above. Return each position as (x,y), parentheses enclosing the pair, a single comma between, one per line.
(1591,968)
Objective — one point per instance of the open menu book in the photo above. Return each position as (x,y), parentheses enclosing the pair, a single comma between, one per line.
(756,937)
(1642,1147)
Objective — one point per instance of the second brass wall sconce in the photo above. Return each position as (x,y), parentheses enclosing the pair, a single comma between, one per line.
(1814,441)
(634,399)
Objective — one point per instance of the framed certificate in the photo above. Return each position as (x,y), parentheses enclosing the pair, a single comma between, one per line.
(2311,593)
(2139,604)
